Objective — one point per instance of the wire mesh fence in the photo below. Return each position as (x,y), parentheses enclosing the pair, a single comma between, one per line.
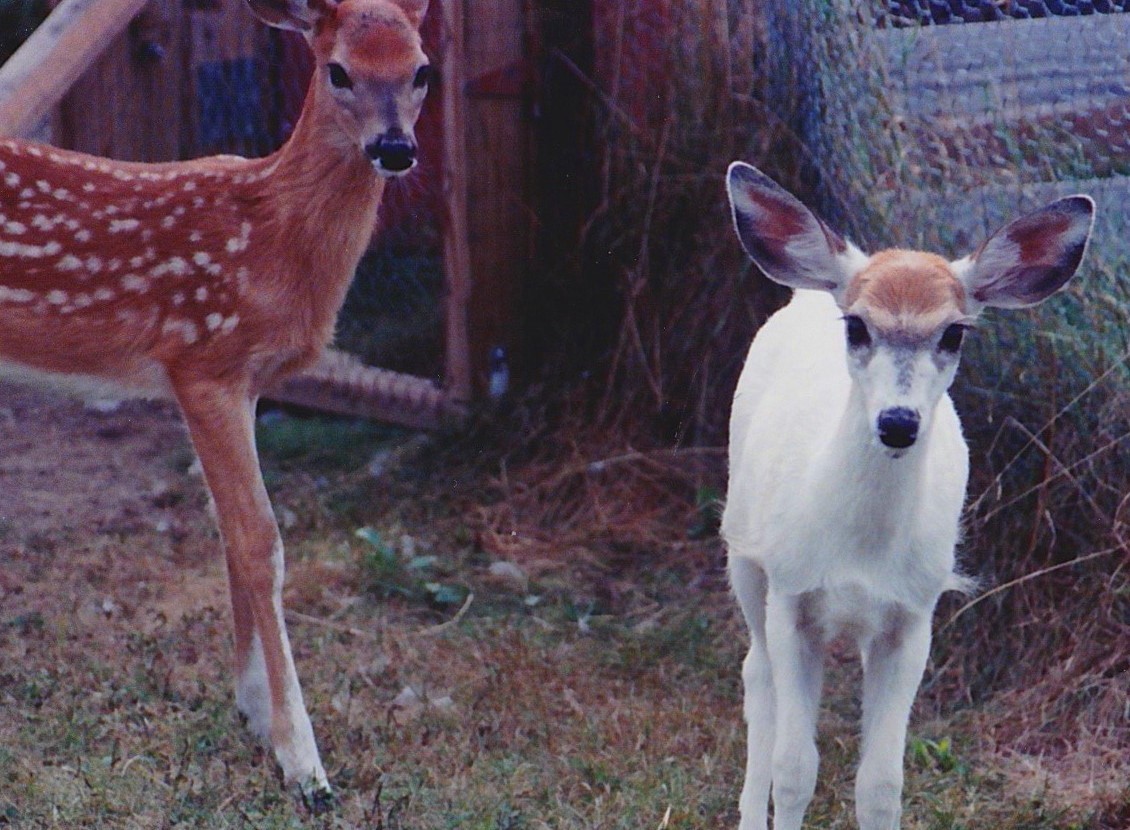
(929,124)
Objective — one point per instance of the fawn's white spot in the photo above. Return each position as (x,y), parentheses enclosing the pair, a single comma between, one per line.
(132,282)
(186,328)
(174,265)
(22,251)
(240,243)
(15,295)
(123,225)
(68,263)
(56,297)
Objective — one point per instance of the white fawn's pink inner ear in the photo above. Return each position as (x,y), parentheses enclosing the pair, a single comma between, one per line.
(1032,257)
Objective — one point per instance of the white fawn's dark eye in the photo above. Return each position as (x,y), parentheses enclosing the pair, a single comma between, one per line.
(423,76)
(857,335)
(339,77)
(951,338)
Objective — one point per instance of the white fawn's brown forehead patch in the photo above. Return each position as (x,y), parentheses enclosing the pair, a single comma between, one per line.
(907,291)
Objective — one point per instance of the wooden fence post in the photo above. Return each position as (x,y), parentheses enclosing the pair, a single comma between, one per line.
(457,253)
(64,46)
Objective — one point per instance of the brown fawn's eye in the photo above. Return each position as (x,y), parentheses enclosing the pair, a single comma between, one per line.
(339,77)
(423,76)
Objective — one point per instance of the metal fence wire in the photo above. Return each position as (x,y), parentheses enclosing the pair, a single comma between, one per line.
(929,134)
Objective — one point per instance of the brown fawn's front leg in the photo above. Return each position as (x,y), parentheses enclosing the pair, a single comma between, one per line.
(221,419)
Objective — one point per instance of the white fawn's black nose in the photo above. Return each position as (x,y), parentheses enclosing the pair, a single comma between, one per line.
(393,151)
(898,427)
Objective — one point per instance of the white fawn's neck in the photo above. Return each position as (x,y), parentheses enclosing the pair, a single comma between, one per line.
(873,490)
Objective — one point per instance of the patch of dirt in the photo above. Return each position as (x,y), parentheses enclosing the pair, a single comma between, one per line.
(100,512)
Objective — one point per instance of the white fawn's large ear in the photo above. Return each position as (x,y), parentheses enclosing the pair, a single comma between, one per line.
(786,240)
(293,15)
(414,9)
(1031,258)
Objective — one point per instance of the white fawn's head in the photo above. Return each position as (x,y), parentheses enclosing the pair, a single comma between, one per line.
(370,68)
(905,312)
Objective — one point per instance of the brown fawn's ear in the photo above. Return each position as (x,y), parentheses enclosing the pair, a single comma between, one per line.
(414,9)
(1028,260)
(293,15)
(783,237)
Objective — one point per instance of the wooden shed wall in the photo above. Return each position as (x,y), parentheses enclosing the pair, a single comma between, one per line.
(142,100)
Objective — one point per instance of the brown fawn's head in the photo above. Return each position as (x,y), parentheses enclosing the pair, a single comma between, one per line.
(370,69)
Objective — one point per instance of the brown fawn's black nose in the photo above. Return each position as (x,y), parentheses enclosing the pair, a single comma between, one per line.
(898,427)
(393,151)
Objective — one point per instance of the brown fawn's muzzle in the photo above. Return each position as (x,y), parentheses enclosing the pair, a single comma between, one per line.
(393,153)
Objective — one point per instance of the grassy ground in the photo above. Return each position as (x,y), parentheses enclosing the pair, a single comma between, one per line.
(447,690)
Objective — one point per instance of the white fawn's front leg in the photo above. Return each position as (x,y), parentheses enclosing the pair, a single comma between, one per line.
(848,472)
(750,588)
(796,655)
(893,663)
(209,281)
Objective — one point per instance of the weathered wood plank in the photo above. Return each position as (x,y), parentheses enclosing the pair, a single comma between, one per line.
(456,247)
(55,56)
(341,384)
(499,216)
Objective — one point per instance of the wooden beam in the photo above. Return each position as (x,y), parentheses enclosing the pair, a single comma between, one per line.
(342,384)
(64,46)
(500,221)
(456,242)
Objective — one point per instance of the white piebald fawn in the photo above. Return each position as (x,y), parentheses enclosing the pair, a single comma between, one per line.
(208,281)
(848,472)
